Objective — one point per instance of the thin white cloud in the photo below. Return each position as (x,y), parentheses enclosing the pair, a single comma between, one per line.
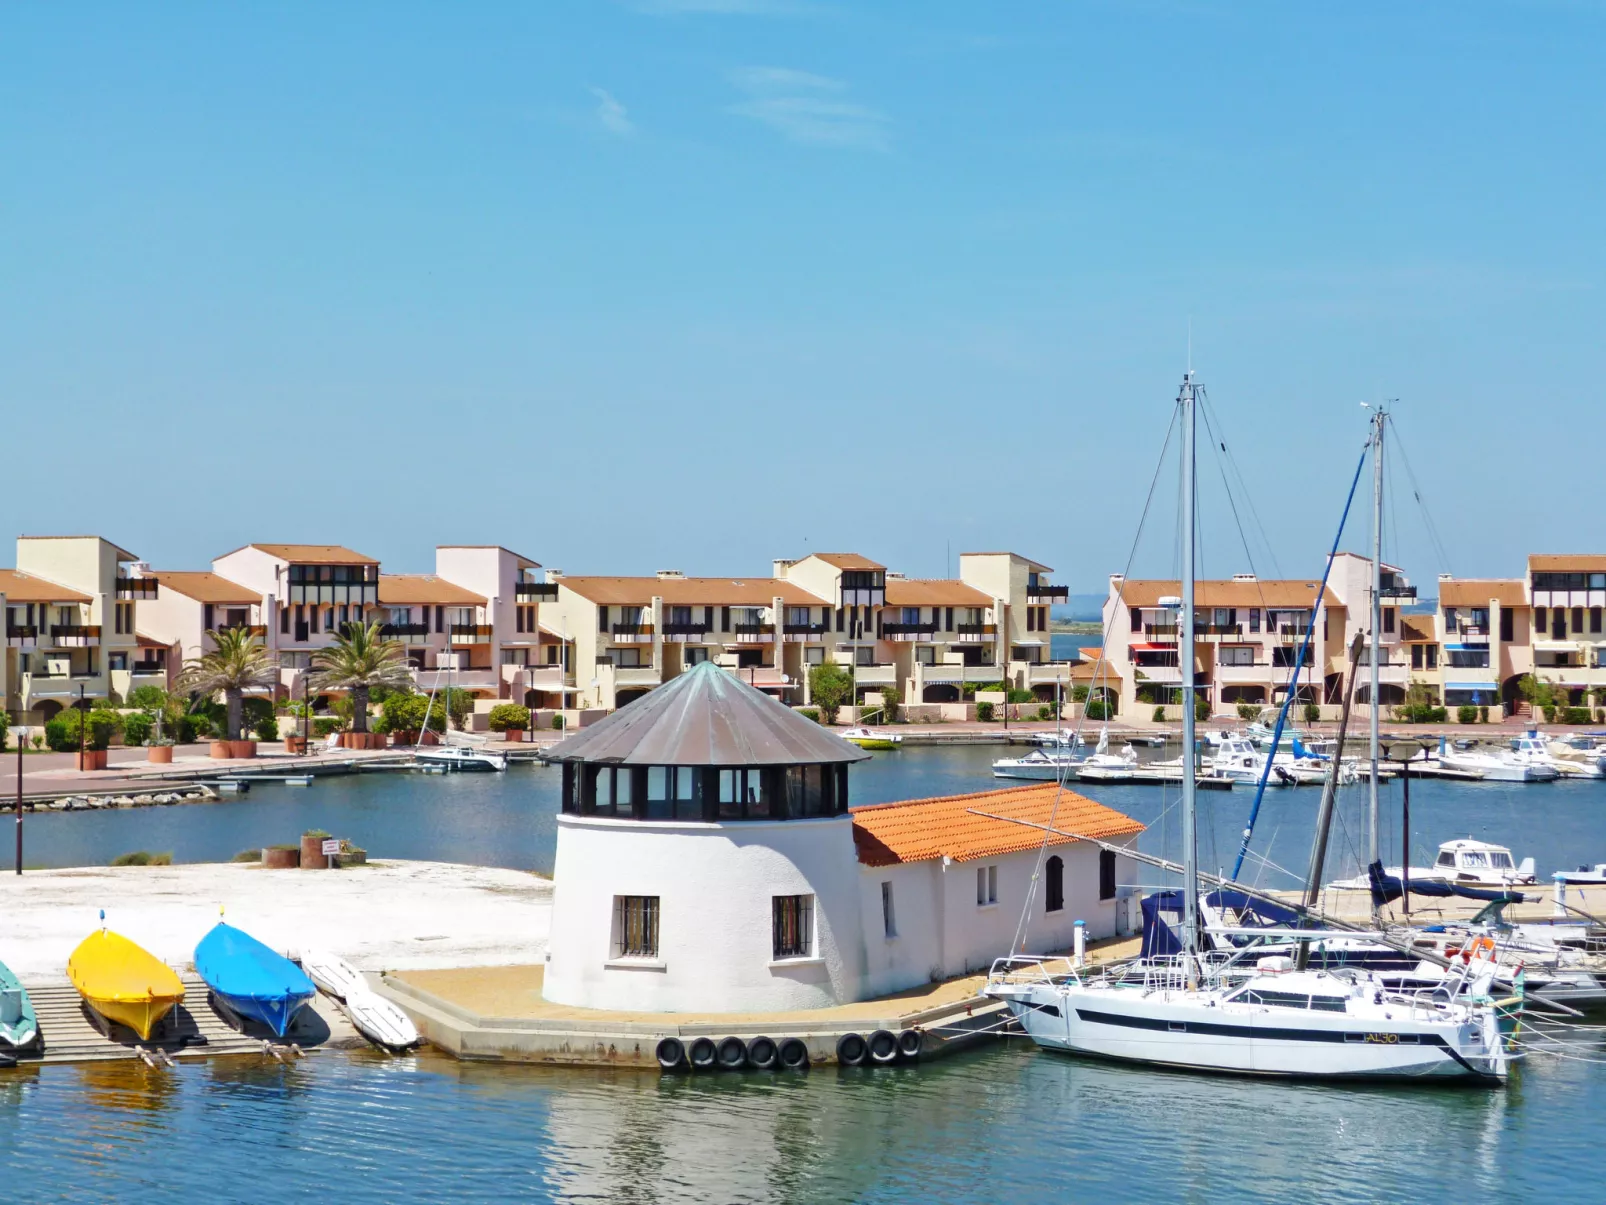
(612,115)
(807,108)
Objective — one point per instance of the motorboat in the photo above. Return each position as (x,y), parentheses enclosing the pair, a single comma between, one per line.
(1060,737)
(1502,766)
(250,980)
(1584,876)
(19,1027)
(123,983)
(1465,861)
(1574,756)
(460,756)
(1040,765)
(870,738)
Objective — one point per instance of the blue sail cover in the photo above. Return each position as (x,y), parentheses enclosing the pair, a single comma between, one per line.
(1386,888)
(252,980)
(1301,751)
(1159,938)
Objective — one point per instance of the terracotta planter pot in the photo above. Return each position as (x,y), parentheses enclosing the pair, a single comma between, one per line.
(161,755)
(222,750)
(295,744)
(92,759)
(400,740)
(312,856)
(346,739)
(514,734)
(431,738)
(243,748)
(281,859)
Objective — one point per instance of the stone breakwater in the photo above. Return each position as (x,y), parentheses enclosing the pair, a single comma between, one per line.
(96,803)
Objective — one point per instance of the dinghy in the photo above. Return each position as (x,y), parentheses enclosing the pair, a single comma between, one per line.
(250,980)
(122,982)
(332,973)
(380,1021)
(19,1028)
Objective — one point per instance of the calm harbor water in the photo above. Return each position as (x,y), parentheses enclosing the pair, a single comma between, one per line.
(1005,1120)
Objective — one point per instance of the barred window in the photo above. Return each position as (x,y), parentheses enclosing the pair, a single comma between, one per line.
(635,923)
(794,926)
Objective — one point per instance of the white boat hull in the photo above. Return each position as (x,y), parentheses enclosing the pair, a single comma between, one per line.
(381,1021)
(456,757)
(332,974)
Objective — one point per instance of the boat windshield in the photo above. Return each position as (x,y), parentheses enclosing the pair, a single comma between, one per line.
(1502,860)
(1475,857)
(1446,858)
(1254,995)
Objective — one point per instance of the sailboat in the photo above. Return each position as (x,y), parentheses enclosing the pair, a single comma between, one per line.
(1244,1012)
(458,751)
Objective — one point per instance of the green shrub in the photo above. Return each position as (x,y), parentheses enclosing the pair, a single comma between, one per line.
(1079,694)
(194,727)
(143,857)
(557,721)
(247,855)
(56,737)
(1098,709)
(406,713)
(1016,695)
(5,726)
(316,832)
(890,698)
(1577,715)
(1201,708)
(1046,712)
(1550,715)
(98,729)
(137,728)
(267,728)
(147,698)
(1483,715)
(324,725)
(1248,711)
(1467,713)
(508,715)
(1159,715)
(984,712)
(810,713)
(1312,713)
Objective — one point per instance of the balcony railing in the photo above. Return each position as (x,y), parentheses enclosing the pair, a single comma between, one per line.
(85,632)
(23,632)
(470,633)
(686,628)
(148,667)
(804,629)
(1293,629)
(404,631)
(258,630)
(752,631)
(136,587)
(1161,631)
(1398,592)
(976,631)
(1047,594)
(535,591)
(908,631)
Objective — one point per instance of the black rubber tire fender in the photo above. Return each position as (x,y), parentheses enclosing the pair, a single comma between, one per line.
(671,1054)
(794,1053)
(852,1050)
(762,1054)
(704,1054)
(732,1054)
(883,1045)
(910,1043)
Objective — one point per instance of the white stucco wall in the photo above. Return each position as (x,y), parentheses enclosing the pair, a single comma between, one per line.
(716,884)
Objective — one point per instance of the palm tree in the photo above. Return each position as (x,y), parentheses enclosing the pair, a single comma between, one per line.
(237,663)
(359,660)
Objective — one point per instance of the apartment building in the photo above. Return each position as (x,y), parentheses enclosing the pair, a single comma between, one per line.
(70,625)
(177,612)
(928,637)
(1567,598)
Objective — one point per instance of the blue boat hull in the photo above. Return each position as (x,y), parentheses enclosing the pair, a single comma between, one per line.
(251,980)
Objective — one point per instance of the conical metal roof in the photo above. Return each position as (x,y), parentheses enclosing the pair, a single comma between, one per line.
(705,717)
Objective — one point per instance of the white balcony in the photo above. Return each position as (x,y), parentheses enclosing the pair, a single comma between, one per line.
(537,677)
(1258,674)
(1046,673)
(644,675)
(887,675)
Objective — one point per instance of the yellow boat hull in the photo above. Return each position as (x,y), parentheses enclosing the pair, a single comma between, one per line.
(124,983)
(871,742)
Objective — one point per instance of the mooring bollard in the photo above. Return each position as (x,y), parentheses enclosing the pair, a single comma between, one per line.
(1079,946)
(1559,908)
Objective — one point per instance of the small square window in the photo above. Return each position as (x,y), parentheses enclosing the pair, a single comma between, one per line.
(794,926)
(986,886)
(635,926)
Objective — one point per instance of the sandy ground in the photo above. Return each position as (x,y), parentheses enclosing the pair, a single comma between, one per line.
(387,916)
(514,992)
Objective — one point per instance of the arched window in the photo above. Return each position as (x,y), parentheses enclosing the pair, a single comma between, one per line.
(1056,884)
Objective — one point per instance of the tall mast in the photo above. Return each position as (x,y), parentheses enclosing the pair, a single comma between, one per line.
(1378,420)
(1190,860)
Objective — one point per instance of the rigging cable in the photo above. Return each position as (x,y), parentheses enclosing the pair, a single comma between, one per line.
(1304,650)
(1416,492)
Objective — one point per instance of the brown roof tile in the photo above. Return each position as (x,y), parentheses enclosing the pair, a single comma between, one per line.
(701,591)
(314,554)
(933,592)
(26,588)
(406,588)
(1506,591)
(1564,562)
(206,587)
(1266,593)
(848,560)
(922,829)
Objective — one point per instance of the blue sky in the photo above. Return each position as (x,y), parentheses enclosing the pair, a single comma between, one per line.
(697,283)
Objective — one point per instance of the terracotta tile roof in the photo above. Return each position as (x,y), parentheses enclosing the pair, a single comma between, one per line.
(425,588)
(1096,672)
(150,642)
(313,554)
(1567,561)
(922,829)
(933,592)
(848,560)
(1412,630)
(699,591)
(26,588)
(1264,593)
(1508,592)
(206,587)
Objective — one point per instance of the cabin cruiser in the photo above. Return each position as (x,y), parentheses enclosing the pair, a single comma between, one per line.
(1584,876)
(1239,759)
(1574,756)
(1059,737)
(1463,861)
(462,754)
(1503,766)
(1045,766)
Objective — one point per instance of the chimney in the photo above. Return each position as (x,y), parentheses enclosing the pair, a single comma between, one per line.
(1243,577)
(554,575)
(670,575)
(140,568)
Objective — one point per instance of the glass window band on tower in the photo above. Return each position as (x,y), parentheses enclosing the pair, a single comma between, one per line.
(706,793)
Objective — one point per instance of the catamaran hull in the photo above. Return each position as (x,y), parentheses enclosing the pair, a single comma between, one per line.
(1259,1045)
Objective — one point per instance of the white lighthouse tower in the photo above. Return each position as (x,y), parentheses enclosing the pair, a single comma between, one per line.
(705,857)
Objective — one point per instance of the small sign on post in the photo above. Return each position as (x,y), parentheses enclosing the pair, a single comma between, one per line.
(331,850)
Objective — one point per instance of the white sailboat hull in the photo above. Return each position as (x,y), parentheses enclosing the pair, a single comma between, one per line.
(1153,1028)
